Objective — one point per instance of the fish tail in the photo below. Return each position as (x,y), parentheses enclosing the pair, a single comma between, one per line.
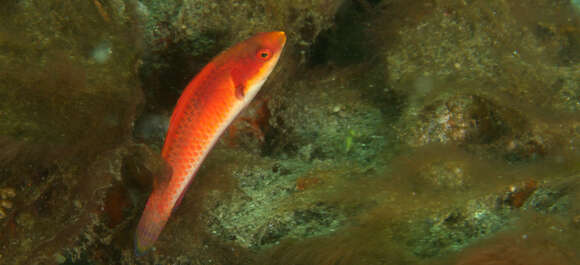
(140,249)
(151,224)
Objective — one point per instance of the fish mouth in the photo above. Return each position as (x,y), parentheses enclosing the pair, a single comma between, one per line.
(281,37)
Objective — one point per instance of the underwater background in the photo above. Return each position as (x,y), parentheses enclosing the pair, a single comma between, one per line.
(391,132)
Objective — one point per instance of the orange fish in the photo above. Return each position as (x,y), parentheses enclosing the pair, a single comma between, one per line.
(207,106)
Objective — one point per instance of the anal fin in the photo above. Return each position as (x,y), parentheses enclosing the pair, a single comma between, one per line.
(178,202)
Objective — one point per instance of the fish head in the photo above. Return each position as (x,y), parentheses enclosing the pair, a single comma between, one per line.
(254,60)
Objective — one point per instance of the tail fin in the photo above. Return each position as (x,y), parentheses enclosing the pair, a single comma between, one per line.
(152,221)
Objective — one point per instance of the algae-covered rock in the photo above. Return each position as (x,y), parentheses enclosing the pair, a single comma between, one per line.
(468,83)
(182,36)
(482,125)
(272,204)
(514,56)
(391,132)
(69,93)
(56,90)
(327,119)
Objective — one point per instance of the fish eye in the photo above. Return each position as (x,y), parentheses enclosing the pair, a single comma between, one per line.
(264,54)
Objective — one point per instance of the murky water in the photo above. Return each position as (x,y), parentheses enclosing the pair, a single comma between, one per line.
(390,132)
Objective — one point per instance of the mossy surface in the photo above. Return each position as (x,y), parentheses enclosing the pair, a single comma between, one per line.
(391,132)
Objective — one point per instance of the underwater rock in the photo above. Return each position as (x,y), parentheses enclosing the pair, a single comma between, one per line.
(100,229)
(509,58)
(267,208)
(6,194)
(557,198)
(483,84)
(182,36)
(326,120)
(519,248)
(446,175)
(484,125)
(449,120)
(151,128)
(459,118)
(461,226)
(318,169)
(64,215)
(70,94)
(60,104)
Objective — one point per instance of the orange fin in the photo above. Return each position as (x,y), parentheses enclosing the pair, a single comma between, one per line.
(240,91)
(237,77)
(178,202)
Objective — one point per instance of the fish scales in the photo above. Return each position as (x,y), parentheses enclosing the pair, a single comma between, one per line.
(207,106)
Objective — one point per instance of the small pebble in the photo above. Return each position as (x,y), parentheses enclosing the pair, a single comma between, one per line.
(59,258)
(576,220)
(7,193)
(6,204)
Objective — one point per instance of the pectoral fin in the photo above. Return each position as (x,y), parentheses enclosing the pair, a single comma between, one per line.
(238,79)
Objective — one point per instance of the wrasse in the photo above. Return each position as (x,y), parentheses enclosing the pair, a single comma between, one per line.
(208,105)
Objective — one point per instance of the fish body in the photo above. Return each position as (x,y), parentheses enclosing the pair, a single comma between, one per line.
(207,106)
